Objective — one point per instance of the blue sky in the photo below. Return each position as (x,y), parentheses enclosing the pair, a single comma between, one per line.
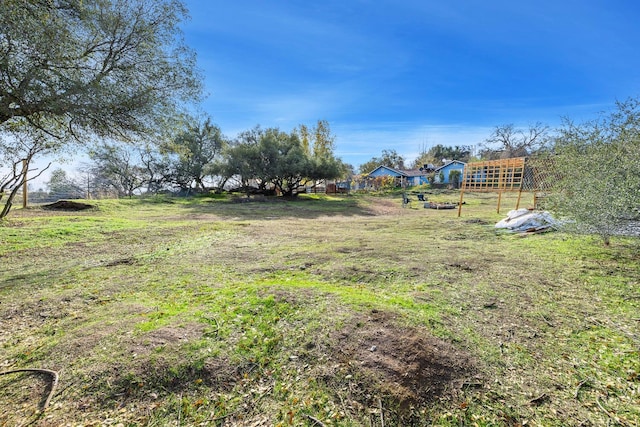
(407,75)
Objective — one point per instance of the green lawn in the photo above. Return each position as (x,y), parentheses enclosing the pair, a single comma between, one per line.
(335,311)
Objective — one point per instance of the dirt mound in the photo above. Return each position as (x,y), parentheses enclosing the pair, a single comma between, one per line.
(408,366)
(385,207)
(67,205)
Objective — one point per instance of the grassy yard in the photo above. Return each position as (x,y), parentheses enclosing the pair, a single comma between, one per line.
(325,311)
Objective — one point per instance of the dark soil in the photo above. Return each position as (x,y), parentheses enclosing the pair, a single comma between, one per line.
(404,367)
(67,205)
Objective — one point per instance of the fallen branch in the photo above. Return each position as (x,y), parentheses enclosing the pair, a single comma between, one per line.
(381,412)
(315,420)
(214,320)
(539,400)
(222,417)
(470,384)
(602,407)
(54,381)
(611,415)
(582,383)
(547,321)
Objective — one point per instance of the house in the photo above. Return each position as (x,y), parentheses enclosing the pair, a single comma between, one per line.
(403,178)
(443,172)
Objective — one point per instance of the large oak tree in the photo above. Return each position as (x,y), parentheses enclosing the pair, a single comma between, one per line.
(76,68)
(271,158)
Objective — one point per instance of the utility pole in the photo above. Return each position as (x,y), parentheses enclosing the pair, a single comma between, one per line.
(25,192)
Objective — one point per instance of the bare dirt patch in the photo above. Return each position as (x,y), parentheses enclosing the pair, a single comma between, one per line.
(167,336)
(384,207)
(404,367)
(152,366)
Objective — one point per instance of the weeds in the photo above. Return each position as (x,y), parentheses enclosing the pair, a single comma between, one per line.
(344,310)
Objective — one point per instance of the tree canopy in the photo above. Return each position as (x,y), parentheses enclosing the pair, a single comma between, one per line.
(61,185)
(194,149)
(598,172)
(17,149)
(72,69)
(284,161)
(107,66)
(436,154)
(115,169)
(507,141)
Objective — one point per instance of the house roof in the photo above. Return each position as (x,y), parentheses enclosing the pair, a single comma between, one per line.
(414,172)
(404,173)
(449,164)
(395,171)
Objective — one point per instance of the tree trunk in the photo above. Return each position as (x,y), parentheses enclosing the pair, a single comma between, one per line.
(9,202)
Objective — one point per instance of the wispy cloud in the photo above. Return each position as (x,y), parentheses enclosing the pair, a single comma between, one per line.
(357,144)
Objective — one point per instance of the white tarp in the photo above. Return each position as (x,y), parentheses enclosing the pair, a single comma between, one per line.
(526,220)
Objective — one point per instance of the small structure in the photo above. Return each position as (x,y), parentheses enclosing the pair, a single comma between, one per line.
(335,187)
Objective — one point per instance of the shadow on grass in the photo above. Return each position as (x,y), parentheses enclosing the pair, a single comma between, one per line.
(275,207)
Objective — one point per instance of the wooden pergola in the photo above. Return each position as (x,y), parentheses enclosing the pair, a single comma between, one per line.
(517,174)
